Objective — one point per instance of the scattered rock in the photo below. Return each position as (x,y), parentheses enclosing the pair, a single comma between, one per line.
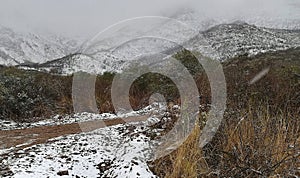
(5,171)
(104,166)
(63,173)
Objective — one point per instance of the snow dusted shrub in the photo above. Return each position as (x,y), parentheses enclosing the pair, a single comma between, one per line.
(27,95)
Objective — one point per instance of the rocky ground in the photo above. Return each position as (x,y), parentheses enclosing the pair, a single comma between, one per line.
(62,149)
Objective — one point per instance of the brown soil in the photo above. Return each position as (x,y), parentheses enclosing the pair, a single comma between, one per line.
(23,138)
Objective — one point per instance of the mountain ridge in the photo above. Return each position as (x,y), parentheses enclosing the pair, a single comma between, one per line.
(215,39)
(225,41)
(17,48)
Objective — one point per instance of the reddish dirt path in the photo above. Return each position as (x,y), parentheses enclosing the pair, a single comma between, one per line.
(22,138)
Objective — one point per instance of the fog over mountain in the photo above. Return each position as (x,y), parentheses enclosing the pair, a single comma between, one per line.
(84,18)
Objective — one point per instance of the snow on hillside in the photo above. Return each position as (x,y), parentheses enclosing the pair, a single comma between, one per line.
(111,51)
(240,38)
(17,48)
(220,42)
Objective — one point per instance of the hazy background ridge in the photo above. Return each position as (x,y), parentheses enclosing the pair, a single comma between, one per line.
(84,18)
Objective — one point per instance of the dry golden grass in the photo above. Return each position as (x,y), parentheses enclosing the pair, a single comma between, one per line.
(187,161)
(257,145)
(261,144)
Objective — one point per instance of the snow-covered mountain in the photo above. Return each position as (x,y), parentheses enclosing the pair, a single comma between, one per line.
(240,38)
(113,50)
(17,48)
(220,42)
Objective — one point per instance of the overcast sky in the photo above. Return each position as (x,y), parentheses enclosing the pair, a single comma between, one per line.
(87,17)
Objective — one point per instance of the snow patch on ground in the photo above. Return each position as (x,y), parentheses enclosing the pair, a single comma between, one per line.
(116,151)
(79,117)
(86,154)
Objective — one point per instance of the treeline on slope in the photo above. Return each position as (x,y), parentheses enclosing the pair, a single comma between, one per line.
(27,95)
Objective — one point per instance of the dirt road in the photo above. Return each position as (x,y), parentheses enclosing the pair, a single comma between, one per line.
(22,138)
